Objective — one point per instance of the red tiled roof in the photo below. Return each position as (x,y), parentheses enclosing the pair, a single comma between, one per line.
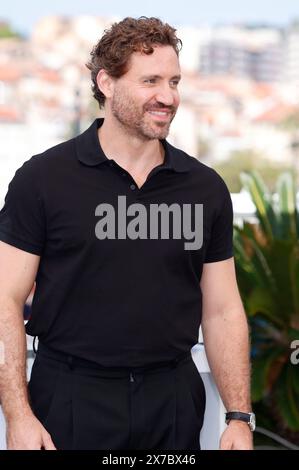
(9,114)
(231,133)
(262,90)
(48,75)
(276,114)
(9,73)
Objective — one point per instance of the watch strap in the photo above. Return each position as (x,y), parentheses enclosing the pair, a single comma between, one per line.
(237,415)
(248,418)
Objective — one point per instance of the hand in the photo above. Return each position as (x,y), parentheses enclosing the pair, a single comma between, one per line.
(27,433)
(237,436)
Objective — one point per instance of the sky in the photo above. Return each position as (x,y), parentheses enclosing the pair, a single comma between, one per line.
(24,14)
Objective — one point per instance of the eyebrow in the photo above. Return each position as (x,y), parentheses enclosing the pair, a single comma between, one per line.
(177,77)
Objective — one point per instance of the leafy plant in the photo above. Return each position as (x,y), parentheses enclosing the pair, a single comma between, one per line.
(267,264)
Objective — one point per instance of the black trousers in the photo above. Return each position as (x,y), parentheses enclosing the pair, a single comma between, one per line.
(86,407)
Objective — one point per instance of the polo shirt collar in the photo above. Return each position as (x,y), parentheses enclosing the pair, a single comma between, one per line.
(90,152)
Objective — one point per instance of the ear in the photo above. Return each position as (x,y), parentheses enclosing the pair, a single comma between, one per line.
(105,83)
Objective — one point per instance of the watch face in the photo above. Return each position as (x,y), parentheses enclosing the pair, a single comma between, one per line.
(252,421)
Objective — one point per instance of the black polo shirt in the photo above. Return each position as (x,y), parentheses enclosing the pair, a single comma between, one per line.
(120,300)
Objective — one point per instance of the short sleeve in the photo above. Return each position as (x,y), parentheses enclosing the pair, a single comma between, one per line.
(22,221)
(220,246)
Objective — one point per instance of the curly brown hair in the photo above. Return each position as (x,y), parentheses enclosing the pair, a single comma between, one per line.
(116,46)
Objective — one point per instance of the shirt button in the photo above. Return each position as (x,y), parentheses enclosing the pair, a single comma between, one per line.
(111,163)
(132,186)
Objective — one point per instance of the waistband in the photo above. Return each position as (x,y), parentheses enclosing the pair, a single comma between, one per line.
(76,362)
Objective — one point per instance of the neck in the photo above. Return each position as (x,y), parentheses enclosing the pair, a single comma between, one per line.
(129,151)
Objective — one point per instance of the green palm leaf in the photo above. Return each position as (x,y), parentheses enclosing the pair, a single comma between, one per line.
(262,200)
(261,302)
(267,265)
(287,399)
(261,373)
(287,205)
(294,280)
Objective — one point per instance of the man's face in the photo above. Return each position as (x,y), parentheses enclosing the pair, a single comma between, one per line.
(146,98)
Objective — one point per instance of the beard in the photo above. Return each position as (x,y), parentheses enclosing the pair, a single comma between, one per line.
(137,121)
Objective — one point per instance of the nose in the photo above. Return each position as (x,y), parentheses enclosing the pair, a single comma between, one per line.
(167,95)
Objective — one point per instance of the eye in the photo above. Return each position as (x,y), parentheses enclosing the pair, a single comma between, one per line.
(174,83)
(150,80)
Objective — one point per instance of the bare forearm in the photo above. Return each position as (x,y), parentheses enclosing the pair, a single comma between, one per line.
(13,382)
(227,346)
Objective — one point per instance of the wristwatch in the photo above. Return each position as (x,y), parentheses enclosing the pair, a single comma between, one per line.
(248,418)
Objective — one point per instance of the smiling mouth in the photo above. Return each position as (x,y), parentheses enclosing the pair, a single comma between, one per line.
(162,115)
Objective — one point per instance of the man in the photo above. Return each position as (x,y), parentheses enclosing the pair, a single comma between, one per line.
(130,243)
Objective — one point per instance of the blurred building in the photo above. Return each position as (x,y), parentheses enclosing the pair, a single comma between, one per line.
(256,54)
(292,54)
